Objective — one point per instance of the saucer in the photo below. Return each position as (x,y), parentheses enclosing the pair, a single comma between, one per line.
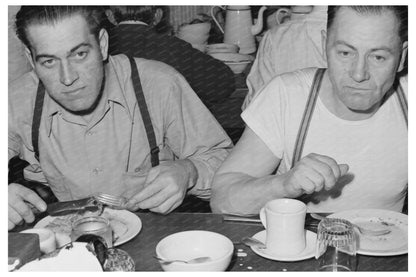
(307,253)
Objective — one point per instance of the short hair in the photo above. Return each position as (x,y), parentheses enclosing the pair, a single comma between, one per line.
(401,13)
(27,15)
(138,13)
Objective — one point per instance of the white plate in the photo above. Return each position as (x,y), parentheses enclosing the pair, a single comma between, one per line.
(394,243)
(126,225)
(307,253)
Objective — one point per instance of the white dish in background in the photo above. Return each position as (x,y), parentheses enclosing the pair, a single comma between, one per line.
(307,253)
(222,48)
(126,225)
(394,243)
(232,57)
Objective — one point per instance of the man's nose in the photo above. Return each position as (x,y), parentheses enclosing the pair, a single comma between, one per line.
(68,74)
(359,70)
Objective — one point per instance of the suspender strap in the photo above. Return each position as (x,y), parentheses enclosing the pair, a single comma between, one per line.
(154,149)
(307,115)
(403,102)
(37,115)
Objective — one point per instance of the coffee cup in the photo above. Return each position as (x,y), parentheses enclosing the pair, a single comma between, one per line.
(284,220)
(47,241)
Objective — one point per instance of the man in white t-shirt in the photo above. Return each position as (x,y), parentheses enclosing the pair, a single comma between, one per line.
(355,148)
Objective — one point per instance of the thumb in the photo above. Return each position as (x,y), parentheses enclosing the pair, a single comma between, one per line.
(343,168)
(151,176)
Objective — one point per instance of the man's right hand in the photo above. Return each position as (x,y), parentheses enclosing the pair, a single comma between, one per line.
(20,199)
(312,173)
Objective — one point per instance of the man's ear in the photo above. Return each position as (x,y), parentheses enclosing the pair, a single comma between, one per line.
(28,55)
(158,16)
(403,56)
(323,42)
(103,40)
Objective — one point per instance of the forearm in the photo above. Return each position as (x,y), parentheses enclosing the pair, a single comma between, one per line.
(239,193)
(191,172)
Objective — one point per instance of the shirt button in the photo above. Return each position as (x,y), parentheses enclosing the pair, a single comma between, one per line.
(90,133)
(137,169)
(96,170)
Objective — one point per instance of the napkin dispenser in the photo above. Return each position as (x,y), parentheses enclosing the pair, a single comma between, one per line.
(23,247)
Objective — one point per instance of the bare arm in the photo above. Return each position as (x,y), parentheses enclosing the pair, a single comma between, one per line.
(244,183)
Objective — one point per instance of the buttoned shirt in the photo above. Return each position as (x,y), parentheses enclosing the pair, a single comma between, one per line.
(79,159)
(293,45)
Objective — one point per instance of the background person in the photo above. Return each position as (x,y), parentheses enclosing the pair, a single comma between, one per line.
(293,45)
(136,34)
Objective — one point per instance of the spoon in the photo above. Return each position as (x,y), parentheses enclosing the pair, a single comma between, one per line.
(362,230)
(192,261)
(249,241)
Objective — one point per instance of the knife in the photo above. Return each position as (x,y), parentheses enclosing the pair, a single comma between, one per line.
(74,206)
(237,218)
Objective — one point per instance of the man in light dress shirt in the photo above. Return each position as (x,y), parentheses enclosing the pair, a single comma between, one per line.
(92,135)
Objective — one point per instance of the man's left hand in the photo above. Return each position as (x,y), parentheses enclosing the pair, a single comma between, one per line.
(165,187)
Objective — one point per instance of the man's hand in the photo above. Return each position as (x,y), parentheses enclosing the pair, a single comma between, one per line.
(313,173)
(20,199)
(165,187)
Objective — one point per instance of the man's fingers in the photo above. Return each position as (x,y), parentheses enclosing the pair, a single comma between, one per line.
(14,216)
(25,212)
(145,193)
(34,199)
(344,169)
(331,163)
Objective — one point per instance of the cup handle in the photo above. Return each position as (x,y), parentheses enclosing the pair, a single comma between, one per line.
(284,11)
(262,215)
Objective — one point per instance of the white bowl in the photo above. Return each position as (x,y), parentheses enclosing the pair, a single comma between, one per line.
(188,245)
(238,67)
(222,48)
(232,57)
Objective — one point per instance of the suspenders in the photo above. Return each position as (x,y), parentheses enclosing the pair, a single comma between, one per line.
(154,149)
(310,106)
(141,101)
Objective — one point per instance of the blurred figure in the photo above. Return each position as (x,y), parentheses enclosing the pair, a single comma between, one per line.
(293,45)
(136,35)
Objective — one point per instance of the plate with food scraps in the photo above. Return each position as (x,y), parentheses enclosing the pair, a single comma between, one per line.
(125,224)
(391,244)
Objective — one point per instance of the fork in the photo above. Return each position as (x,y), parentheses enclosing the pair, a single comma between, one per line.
(112,201)
(362,230)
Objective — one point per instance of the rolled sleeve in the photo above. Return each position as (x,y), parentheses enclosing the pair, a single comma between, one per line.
(193,133)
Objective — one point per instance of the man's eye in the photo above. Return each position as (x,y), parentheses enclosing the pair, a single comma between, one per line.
(81,55)
(344,54)
(378,58)
(48,63)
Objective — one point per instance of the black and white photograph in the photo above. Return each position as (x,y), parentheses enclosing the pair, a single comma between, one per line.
(266,137)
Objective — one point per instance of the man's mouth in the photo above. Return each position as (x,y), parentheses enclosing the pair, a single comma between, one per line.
(73,91)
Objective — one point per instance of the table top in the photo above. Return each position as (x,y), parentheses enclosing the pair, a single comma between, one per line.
(156,227)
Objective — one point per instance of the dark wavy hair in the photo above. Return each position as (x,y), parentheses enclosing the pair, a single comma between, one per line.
(401,13)
(27,15)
